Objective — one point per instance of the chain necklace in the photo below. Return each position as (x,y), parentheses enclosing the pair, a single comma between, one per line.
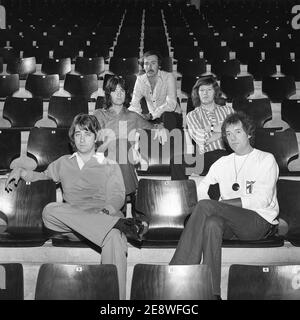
(236,186)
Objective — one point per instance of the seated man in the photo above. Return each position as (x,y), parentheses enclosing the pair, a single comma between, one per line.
(158,88)
(93,191)
(247,208)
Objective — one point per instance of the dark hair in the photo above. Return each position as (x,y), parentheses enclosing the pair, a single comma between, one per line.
(206,80)
(111,86)
(151,53)
(87,122)
(247,123)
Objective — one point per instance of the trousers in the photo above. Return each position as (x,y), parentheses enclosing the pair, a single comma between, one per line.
(96,227)
(210,222)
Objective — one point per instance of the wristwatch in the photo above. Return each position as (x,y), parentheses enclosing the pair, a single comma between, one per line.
(105,211)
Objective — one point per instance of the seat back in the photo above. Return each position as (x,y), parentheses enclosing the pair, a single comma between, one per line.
(22,66)
(47,144)
(258,109)
(10,146)
(63,109)
(180,282)
(23,206)
(290,112)
(42,85)
(249,282)
(11,281)
(81,85)
(9,83)
(282,144)
(77,282)
(89,65)
(278,88)
(23,112)
(57,66)
(124,66)
(237,87)
(166,205)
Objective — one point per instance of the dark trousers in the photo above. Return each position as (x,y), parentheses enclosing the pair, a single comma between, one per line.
(210,222)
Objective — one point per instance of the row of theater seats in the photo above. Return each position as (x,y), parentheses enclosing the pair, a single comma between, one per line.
(166,204)
(152,282)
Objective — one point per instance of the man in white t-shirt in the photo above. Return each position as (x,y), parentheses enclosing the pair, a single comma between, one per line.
(247,208)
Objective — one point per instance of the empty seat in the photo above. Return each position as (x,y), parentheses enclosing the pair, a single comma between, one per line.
(278,88)
(261,68)
(77,282)
(191,67)
(124,66)
(166,205)
(12,286)
(226,67)
(259,109)
(263,282)
(237,87)
(282,144)
(23,113)
(10,146)
(40,52)
(181,282)
(42,85)
(290,112)
(81,85)
(89,65)
(291,68)
(47,144)
(57,66)
(63,109)
(21,66)
(22,209)
(9,84)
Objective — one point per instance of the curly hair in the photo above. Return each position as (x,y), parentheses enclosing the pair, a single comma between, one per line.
(247,123)
(86,122)
(111,86)
(205,81)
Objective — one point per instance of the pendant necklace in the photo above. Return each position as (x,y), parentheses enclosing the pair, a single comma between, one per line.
(236,186)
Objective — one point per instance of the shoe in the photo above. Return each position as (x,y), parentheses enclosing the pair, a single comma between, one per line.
(129,228)
(142,226)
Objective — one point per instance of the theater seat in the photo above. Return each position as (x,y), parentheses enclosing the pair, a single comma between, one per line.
(165,205)
(237,87)
(180,282)
(290,112)
(11,284)
(263,282)
(22,210)
(77,282)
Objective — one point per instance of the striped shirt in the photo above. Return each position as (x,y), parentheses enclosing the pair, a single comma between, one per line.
(199,122)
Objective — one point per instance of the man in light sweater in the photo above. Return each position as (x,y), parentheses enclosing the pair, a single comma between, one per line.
(93,192)
(247,208)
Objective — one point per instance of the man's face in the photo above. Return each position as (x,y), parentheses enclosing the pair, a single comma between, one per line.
(151,65)
(238,139)
(118,96)
(84,140)
(206,94)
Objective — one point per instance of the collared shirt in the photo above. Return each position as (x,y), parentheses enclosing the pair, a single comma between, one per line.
(162,99)
(96,185)
(199,119)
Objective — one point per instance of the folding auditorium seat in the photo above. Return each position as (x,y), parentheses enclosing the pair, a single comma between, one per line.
(226,68)
(81,85)
(77,282)
(282,144)
(40,52)
(64,51)
(10,146)
(289,204)
(191,67)
(291,68)
(279,55)
(90,65)
(43,86)
(263,282)
(163,282)
(165,205)
(244,55)
(95,49)
(124,66)
(23,113)
(259,109)
(9,84)
(22,210)
(186,52)
(278,88)
(218,53)
(261,68)
(8,53)
(63,109)
(57,66)
(12,286)
(124,51)
(290,113)
(21,66)
(47,144)
(237,87)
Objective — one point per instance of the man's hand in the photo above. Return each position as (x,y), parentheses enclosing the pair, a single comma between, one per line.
(161,134)
(14,177)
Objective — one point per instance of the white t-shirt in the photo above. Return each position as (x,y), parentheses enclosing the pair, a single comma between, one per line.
(257,174)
